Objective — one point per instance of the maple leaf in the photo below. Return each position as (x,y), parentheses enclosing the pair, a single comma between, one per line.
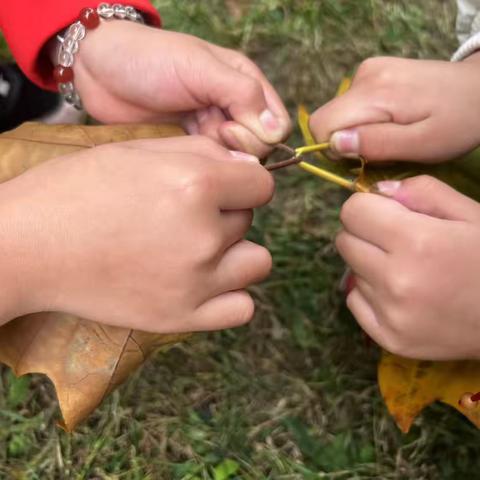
(84,360)
(408,386)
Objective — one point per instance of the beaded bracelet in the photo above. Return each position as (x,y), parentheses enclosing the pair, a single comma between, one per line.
(89,19)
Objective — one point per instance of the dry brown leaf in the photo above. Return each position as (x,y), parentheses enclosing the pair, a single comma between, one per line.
(84,360)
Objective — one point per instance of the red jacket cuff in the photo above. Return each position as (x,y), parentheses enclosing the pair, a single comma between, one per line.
(28,25)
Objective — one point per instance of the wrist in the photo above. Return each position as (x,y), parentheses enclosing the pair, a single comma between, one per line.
(70,40)
(26,273)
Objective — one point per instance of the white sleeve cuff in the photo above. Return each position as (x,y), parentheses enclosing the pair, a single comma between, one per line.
(467,49)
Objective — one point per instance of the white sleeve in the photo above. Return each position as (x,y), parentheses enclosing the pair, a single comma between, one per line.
(468,28)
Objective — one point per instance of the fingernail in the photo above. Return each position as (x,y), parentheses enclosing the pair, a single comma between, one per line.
(244,156)
(346,143)
(270,123)
(388,188)
(191,126)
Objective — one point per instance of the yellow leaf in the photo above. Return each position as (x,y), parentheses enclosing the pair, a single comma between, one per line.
(408,386)
(84,360)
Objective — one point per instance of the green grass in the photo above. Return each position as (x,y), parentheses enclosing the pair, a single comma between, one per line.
(293,395)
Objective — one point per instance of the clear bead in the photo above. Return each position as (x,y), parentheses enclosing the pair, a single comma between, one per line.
(131,13)
(70,45)
(76,31)
(66,88)
(120,11)
(105,10)
(65,59)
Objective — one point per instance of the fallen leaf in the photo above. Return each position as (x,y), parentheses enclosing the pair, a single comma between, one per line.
(84,360)
(408,386)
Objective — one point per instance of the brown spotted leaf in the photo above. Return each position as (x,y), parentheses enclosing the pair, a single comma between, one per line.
(84,360)
(408,386)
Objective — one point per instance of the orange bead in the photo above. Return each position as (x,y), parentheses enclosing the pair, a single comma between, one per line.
(62,74)
(89,18)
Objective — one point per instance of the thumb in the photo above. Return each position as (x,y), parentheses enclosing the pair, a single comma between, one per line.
(430,196)
(389,141)
(244,98)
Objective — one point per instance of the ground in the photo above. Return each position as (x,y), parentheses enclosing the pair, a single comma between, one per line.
(293,395)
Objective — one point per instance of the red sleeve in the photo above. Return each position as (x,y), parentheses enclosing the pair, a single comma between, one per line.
(29,24)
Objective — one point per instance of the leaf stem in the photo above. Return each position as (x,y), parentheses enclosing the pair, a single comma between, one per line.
(312,148)
(329,176)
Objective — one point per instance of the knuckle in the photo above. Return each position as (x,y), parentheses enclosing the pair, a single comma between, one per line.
(382,69)
(372,65)
(423,183)
(209,246)
(400,286)
(421,244)
(379,148)
(239,60)
(252,88)
(393,343)
(197,184)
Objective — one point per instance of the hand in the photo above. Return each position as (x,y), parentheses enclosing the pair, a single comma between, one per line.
(145,234)
(416,262)
(126,72)
(398,109)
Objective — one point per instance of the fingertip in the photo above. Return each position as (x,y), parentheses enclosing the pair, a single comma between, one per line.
(246,307)
(346,143)
(228,310)
(239,138)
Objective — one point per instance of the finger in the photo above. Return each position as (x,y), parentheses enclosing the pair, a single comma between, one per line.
(235,225)
(364,314)
(206,121)
(227,310)
(198,145)
(243,264)
(243,97)
(430,196)
(390,141)
(366,260)
(347,111)
(243,64)
(189,144)
(241,185)
(237,137)
(369,292)
(375,219)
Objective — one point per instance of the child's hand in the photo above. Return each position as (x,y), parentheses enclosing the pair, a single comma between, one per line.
(416,261)
(145,234)
(127,72)
(397,109)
